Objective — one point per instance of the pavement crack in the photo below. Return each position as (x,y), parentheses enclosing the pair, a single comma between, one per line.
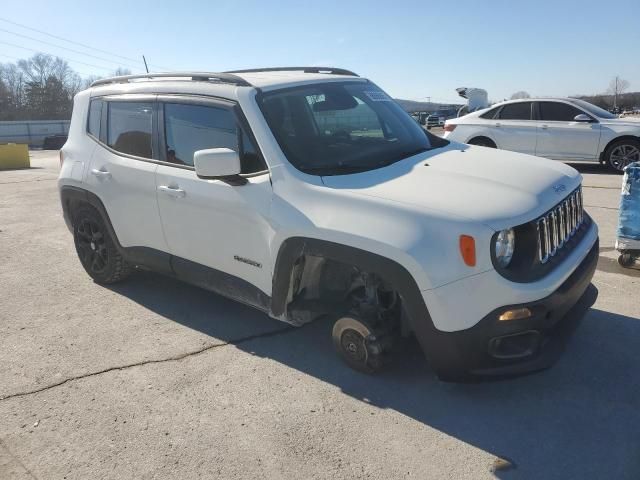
(598,206)
(601,186)
(174,358)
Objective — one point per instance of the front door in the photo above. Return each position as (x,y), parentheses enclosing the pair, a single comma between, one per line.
(213,223)
(560,137)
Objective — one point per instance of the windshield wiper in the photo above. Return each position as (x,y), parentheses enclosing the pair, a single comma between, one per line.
(336,169)
(327,170)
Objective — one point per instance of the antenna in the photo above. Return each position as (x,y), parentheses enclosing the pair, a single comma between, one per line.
(145,63)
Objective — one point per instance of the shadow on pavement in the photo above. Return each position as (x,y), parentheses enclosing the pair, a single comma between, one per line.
(611,265)
(579,419)
(591,167)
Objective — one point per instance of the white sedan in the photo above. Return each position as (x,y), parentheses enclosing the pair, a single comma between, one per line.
(557,128)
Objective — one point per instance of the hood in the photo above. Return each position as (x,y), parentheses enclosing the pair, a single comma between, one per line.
(497,188)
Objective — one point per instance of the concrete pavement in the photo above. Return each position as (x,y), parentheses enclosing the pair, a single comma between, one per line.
(157,379)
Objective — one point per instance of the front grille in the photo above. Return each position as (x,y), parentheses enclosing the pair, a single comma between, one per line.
(556,227)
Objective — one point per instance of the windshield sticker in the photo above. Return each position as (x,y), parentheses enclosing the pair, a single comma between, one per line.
(378,96)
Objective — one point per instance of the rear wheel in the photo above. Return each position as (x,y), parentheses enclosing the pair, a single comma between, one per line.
(96,248)
(482,142)
(356,343)
(622,153)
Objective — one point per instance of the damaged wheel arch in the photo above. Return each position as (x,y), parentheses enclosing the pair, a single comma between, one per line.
(295,249)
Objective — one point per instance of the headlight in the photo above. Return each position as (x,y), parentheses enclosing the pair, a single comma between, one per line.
(504,246)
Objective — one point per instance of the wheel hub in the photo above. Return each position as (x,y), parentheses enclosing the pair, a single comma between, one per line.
(623,155)
(91,245)
(354,345)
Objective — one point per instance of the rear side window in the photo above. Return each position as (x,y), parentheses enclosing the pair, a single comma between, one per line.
(130,127)
(95,114)
(189,128)
(490,114)
(516,111)
(557,112)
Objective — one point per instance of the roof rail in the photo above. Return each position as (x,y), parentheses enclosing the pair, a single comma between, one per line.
(225,77)
(329,70)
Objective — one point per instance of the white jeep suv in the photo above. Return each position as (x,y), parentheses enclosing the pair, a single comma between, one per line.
(555,128)
(307,192)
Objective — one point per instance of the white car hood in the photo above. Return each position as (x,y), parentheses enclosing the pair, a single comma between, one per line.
(498,188)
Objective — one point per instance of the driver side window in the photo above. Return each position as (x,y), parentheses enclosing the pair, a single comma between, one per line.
(189,128)
(557,112)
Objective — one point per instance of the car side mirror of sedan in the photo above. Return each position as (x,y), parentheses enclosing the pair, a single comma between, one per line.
(582,117)
(219,164)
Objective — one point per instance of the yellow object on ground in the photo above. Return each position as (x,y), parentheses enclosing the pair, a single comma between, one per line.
(14,155)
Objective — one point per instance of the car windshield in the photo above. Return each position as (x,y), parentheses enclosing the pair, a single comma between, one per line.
(342,127)
(592,109)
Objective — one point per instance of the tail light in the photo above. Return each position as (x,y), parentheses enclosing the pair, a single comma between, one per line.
(449,127)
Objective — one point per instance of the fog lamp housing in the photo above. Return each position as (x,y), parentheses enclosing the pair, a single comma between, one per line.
(515,314)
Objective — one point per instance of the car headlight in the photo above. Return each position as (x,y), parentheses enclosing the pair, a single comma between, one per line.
(504,246)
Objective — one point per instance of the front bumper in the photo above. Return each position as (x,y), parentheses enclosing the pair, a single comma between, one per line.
(497,348)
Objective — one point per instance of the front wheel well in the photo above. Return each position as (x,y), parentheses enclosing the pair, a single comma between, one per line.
(603,153)
(321,286)
(304,266)
(357,268)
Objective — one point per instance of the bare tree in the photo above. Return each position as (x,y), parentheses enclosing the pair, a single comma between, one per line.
(617,86)
(14,81)
(520,94)
(118,72)
(41,87)
(40,67)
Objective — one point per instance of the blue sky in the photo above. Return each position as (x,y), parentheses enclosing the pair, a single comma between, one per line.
(412,49)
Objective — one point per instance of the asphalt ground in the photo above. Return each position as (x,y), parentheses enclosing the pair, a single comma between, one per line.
(153,378)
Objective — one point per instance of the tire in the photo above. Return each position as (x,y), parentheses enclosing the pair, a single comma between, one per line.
(621,153)
(482,142)
(626,260)
(356,344)
(96,248)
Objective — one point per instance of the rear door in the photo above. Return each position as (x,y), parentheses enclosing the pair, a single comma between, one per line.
(560,137)
(514,129)
(122,169)
(213,223)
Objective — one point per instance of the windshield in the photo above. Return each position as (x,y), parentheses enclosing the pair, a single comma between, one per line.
(345,127)
(592,109)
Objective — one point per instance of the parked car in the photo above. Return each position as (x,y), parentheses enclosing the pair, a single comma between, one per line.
(309,192)
(433,121)
(555,128)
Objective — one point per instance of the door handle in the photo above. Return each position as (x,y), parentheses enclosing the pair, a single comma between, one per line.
(498,124)
(544,127)
(100,173)
(173,191)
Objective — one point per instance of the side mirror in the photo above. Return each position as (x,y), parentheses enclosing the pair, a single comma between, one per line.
(219,163)
(582,117)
